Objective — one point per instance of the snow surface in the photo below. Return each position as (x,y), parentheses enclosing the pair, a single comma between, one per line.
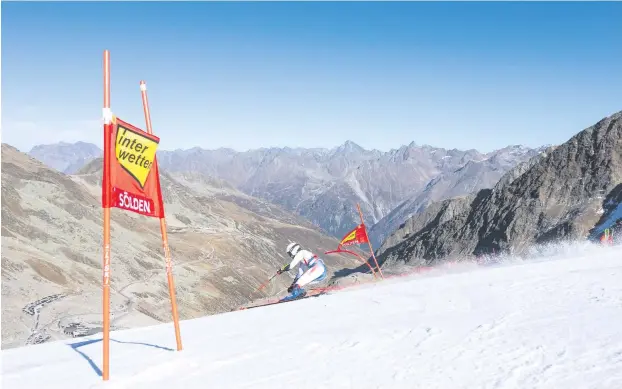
(547,323)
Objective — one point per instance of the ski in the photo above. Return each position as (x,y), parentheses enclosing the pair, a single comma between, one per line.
(316,294)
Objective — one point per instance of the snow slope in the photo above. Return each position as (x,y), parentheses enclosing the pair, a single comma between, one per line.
(548,323)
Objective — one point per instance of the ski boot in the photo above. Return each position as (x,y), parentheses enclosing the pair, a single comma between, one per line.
(296,293)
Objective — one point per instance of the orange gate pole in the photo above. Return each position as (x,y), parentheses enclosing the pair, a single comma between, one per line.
(371,250)
(106,199)
(167,251)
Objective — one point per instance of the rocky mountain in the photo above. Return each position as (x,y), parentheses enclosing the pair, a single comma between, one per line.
(469,178)
(562,193)
(66,157)
(224,244)
(323,185)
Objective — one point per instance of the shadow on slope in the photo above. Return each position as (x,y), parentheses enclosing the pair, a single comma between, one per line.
(75,347)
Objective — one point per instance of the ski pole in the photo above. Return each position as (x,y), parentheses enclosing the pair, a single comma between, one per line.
(265,283)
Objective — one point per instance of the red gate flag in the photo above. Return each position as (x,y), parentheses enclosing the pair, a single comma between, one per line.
(356,236)
(134,178)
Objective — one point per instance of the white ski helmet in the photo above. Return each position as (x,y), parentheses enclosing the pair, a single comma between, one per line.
(292,249)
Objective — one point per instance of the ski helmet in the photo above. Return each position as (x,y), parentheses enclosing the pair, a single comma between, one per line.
(292,249)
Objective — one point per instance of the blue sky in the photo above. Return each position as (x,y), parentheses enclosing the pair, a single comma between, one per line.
(248,75)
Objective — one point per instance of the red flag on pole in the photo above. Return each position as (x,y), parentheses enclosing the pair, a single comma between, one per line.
(356,236)
(134,179)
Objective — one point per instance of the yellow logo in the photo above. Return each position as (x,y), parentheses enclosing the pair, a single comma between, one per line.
(350,237)
(135,153)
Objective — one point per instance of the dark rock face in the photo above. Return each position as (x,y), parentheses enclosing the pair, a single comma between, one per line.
(556,195)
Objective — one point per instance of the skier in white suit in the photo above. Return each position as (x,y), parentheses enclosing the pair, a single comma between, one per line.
(311,270)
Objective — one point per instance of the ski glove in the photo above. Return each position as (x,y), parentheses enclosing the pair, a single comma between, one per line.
(283,269)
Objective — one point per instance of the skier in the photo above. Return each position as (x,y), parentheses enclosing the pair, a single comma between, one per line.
(607,237)
(312,270)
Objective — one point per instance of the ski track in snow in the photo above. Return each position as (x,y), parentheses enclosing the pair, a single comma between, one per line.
(553,323)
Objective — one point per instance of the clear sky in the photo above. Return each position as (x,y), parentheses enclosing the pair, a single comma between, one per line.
(249,75)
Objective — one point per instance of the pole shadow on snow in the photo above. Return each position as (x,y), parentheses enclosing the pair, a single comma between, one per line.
(77,345)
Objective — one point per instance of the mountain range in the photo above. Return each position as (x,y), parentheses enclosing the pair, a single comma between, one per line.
(66,157)
(324,185)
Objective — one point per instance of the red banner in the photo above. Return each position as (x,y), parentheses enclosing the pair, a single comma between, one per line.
(356,236)
(134,178)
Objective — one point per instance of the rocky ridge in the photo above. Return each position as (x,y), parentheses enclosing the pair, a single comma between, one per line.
(561,194)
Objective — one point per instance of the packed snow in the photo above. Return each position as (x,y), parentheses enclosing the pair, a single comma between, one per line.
(551,322)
